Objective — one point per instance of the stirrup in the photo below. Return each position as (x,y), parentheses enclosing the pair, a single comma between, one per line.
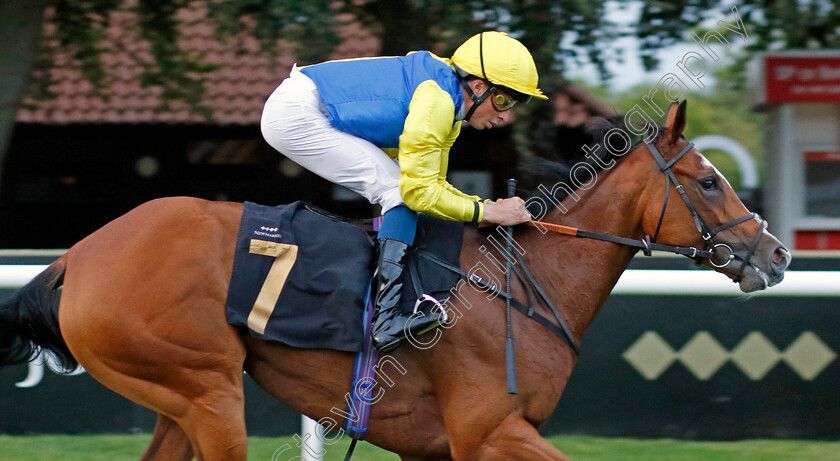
(443,317)
(438,305)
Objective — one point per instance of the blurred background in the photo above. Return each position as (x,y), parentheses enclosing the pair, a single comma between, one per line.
(109,103)
(105,104)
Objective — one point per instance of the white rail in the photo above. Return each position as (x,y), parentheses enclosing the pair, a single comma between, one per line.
(709,283)
(699,282)
(17,275)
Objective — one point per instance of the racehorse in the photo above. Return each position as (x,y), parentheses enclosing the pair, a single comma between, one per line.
(142,309)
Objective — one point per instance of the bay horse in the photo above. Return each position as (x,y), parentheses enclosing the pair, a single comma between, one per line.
(142,309)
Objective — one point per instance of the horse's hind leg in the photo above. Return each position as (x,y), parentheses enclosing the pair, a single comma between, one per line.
(202,405)
(201,400)
(193,378)
(216,425)
(143,310)
(169,443)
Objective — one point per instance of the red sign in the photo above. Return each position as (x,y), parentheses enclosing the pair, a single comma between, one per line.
(817,240)
(820,156)
(802,79)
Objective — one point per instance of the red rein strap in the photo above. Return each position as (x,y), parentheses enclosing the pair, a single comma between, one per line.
(560,229)
(645,244)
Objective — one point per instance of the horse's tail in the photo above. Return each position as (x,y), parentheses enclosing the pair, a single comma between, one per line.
(29,320)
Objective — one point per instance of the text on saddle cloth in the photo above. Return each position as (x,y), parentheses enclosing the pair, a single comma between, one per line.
(300,276)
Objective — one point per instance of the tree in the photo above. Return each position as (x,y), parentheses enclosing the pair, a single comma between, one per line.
(719,110)
(772,25)
(310,26)
(440,26)
(402,25)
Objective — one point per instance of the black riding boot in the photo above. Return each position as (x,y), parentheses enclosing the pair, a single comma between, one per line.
(389,322)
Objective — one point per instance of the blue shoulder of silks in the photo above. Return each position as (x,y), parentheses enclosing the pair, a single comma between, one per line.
(369,97)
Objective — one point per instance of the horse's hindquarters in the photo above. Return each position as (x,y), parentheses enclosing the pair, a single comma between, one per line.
(142,309)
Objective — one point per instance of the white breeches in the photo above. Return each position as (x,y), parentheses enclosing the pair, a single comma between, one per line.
(296,123)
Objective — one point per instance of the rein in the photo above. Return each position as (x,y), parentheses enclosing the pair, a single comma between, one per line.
(648,244)
(644,244)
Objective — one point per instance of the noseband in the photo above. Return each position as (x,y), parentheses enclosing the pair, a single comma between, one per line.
(648,244)
(706,232)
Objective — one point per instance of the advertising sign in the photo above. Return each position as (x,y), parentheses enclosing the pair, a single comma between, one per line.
(802,79)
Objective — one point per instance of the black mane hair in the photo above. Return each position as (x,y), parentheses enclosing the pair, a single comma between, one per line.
(549,172)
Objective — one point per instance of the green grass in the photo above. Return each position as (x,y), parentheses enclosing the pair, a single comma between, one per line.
(581,448)
(584,448)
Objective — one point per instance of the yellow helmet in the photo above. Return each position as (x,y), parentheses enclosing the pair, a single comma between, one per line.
(501,60)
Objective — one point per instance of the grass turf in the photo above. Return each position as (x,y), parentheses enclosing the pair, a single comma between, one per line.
(580,448)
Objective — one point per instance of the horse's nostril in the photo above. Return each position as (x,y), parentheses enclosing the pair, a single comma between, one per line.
(780,260)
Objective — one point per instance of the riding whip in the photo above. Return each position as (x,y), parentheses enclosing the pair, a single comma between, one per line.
(509,353)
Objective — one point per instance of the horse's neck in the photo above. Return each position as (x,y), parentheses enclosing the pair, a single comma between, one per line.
(578,273)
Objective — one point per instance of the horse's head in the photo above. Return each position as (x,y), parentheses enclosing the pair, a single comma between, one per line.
(689,203)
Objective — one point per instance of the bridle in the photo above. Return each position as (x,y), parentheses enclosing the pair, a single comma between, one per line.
(648,244)
(707,233)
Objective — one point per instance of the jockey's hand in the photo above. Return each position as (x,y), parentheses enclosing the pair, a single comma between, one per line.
(505,211)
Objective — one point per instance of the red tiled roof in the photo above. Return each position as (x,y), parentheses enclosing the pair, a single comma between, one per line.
(235,92)
(573,106)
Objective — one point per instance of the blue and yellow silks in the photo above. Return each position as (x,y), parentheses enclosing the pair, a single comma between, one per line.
(409,103)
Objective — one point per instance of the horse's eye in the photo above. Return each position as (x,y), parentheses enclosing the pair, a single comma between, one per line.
(709,184)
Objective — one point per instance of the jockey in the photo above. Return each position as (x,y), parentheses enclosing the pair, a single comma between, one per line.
(383,127)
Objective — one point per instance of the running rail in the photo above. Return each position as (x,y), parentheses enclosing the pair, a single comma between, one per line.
(700,282)
(709,283)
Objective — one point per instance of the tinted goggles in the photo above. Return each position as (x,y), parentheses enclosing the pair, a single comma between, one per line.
(501,102)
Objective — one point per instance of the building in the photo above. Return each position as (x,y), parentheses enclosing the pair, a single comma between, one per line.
(800,91)
(78,160)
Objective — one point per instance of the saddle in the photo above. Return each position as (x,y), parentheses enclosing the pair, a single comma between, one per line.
(300,274)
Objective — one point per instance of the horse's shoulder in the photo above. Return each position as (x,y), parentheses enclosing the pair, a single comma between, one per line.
(470,234)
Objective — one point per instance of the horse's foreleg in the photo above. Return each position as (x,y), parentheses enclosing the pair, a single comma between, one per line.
(514,438)
(169,443)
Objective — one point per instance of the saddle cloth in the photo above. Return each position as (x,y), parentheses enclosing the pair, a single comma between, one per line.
(300,276)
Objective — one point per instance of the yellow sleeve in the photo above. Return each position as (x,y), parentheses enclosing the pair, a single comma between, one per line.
(455,191)
(429,132)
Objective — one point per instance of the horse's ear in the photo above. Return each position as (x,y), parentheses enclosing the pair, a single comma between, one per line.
(675,123)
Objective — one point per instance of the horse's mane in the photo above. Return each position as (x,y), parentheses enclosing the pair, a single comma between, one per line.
(548,172)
